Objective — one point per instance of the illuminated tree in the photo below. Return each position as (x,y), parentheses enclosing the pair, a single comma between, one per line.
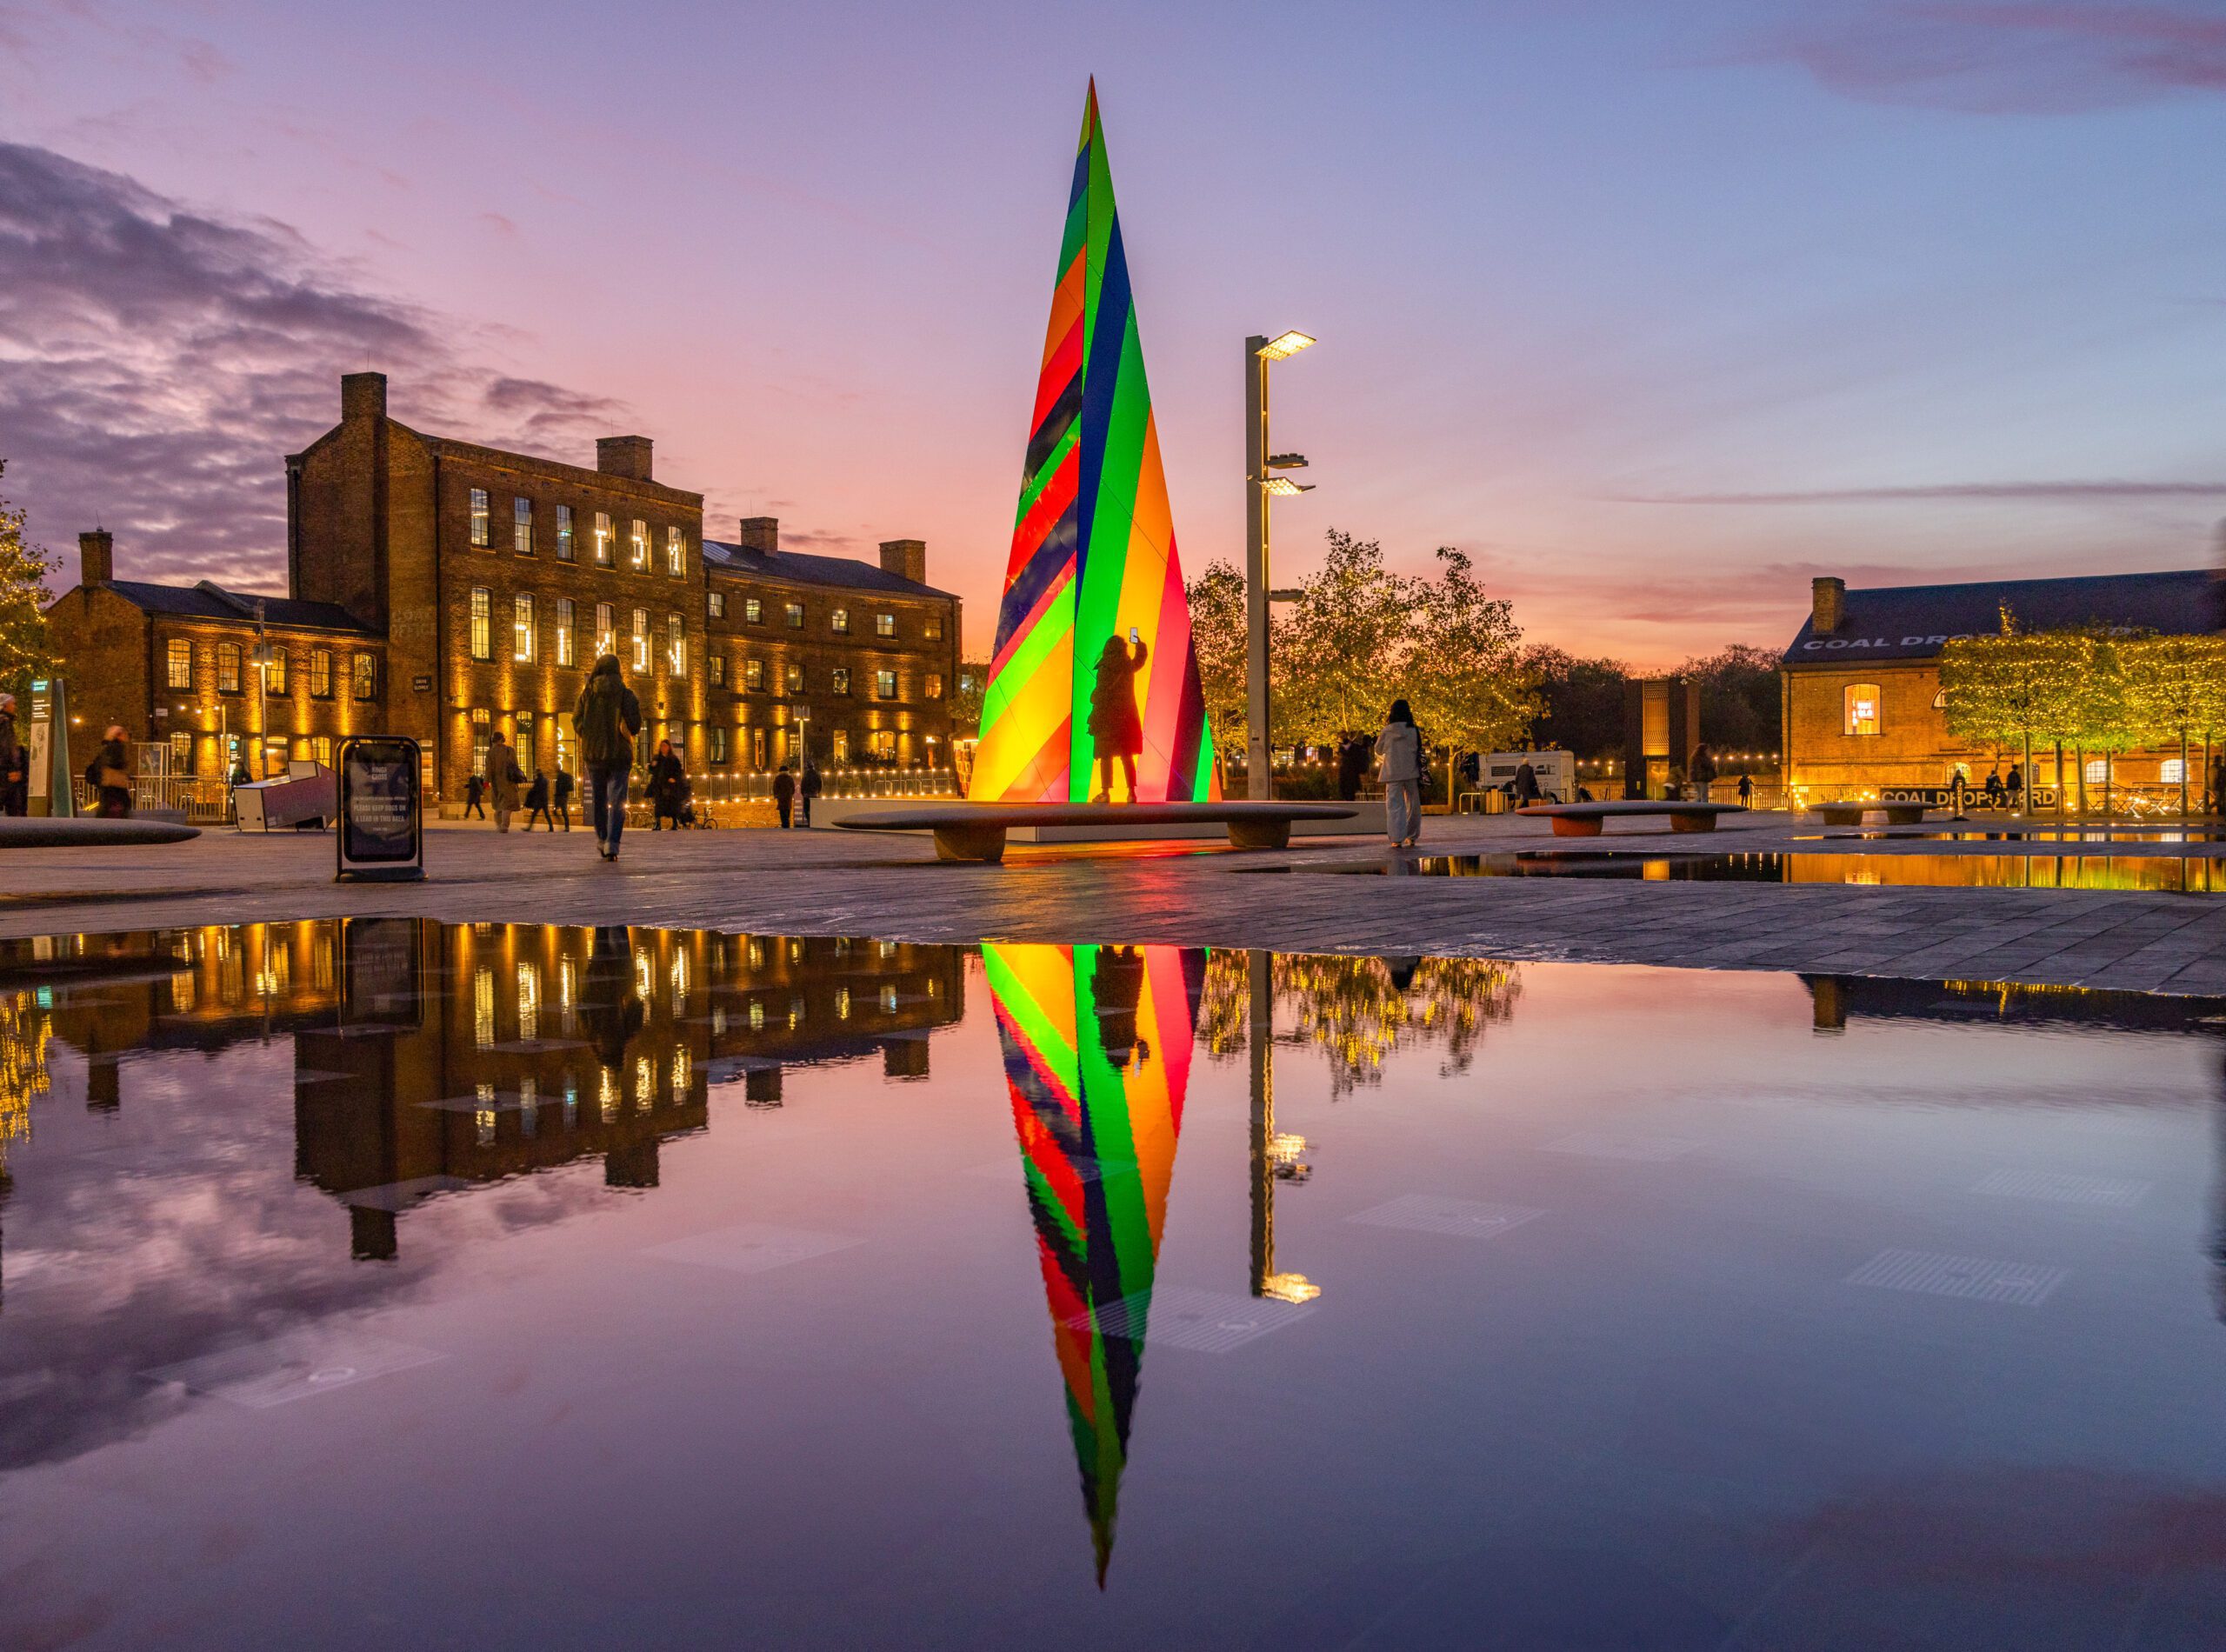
(1217,638)
(24,650)
(1470,687)
(1343,652)
(2013,688)
(2176,689)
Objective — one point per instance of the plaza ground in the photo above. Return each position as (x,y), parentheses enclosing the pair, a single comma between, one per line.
(839,883)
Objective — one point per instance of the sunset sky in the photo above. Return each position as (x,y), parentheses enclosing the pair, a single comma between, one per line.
(1657,311)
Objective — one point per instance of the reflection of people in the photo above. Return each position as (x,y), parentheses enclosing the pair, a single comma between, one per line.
(1116,729)
(1120,990)
(608,1002)
(1399,748)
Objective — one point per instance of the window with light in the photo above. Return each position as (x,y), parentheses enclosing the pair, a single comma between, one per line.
(884,625)
(522,628)
(180,656)
(228,668)
(885,685)
(2098,771)
(565,550)
(565,655)
(676,552)
(839,622)
(603,550)
(522,526)
(676,646)
(321,673)
(641,640)
(841,675)
(606,629)
(479,529)
(1861,707)
(2173,772)
(753,675)
(482,624)
(795,613)
(638,543)
(367,677)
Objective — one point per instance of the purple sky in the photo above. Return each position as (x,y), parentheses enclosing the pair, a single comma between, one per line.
(1657,310)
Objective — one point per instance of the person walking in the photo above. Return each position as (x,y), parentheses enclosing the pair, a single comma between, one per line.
(475,788)
(809,789)
(1956,785)
(1746,791)
(563,795)
(1702,771)
(1526,783)
(1116,728)
(536,802)
(1993,787)
(784,795)
(606,721)
(667,782)
(14,763)
(1399,749)
(2013,784)
(504,779)
(110,774)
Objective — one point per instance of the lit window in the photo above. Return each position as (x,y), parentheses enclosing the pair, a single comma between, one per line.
(321,673)
(839,620)
(522,526)
(602,546)
(479,530)
(482,1009)
(482,730)
(564,548)
(841,674)
(719,663)
(641,639)
(716,605)
(753,675)
(228,668)
(321,749)
(885,685)
(884,625)
(2173,772)
(794,614)
(883,742)
(753,610)
(718,743)
(676,552)
(638,544)
(367,677)
(181,663)
(522,628)
(2098,771)
(934,688)
(1862,699)
(564,653)
(756,754)
(676,646)
(842,745)
(482,624)
(932,628)
(793,677)
(274,668)
(606,629)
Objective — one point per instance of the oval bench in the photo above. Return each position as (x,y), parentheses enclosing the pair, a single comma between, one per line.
(1585,820)
(1852,814)
(976,831)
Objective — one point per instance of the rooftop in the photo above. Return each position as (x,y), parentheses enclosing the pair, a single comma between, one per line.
(1915,622)
(210,601)
(800,568)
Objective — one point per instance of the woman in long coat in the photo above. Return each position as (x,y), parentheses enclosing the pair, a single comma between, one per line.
(1116,728)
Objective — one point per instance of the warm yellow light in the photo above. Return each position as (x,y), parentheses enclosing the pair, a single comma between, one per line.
(1289,1288)
(1283,486)
(1284,345)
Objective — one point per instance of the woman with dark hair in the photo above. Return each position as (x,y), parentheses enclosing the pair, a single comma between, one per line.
(668,787)
(1115,727)
(1399,748)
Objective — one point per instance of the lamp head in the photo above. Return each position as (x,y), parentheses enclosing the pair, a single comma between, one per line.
(1283,345)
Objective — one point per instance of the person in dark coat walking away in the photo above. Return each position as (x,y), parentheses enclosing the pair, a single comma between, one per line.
(475,788)
(15,762)
(536,802)
(606,720)
(784,794)
(563,795)
(810,790)
(1746,791)
(1526,783)
(110,773)
(504,779)
(1993,787)
(668,784)
(1399,748)
(1116,727)
(2013,784)
(1702,771)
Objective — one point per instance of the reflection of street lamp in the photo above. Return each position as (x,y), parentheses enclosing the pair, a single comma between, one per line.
(1274,1156)
(1258,486)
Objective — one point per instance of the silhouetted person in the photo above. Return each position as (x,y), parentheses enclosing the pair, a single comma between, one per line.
(1116,727)
(1702,771)
(1120,990)
(1746,790)
(475,788)
(562,797)
(668,787)
(2013,784)
(110,774)
(784,794)
(606,720)
(609,1006)
(1526,783)
(809,789)
(15,762)
(536,802)
(504,779)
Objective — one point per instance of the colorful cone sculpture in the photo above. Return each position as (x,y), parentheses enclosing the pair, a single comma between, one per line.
(1093,549)
(1097,1056)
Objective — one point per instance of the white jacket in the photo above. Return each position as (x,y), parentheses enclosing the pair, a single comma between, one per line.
(1399,749)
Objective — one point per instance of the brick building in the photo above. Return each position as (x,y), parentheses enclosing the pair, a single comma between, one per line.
(474,588)
(1863,710)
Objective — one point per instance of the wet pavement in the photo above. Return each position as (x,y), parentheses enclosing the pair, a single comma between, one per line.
(381,1281)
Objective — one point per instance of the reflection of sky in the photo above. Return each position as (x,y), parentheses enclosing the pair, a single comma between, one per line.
(1661,1377)
(1942,280)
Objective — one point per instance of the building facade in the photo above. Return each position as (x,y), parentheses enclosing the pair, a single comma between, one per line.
(475,588)
(1863,709)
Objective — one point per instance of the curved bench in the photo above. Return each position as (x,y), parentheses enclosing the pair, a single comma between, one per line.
(976,831)
(88,831)
(1585,820)
(1852,814)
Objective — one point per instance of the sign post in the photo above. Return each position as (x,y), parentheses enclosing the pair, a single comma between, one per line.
(382,832)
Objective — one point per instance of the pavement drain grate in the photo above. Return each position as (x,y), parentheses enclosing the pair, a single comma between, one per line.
(2117,1192)
(2023,1284)
(1631,1145)
(752,1246)
(292,1367)
(1205,1322)
(1463,1218)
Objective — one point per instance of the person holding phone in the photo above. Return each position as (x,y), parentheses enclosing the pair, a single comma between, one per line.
(1116,728)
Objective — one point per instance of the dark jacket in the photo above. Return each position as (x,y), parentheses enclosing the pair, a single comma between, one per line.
(668,781)
(537,794)
(784,787)
(811,785)
(563,787)
(606,718)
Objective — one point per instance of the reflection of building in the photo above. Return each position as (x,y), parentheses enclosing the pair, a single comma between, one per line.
(1840,999)
(1097,1044)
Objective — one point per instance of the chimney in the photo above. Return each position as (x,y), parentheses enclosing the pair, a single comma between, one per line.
(623,455)
(906,558)
(363,395)
(762,534)
(1828,605)
(96,557)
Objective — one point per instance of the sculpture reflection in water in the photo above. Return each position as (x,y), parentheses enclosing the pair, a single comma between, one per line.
(1097,1044)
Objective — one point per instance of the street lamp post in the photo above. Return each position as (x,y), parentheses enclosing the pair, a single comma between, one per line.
(1258,484)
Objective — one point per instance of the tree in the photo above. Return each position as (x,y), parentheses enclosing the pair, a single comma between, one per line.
(966,700)
(1343,652)
(2176,687)
(24,649)
(1741,706)
(1470,688)
(2013,688)
(1218,636)
(1582,702)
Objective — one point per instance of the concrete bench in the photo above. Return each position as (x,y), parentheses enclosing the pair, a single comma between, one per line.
(1585,820)
(1852,814)
(976,831)
(88,831)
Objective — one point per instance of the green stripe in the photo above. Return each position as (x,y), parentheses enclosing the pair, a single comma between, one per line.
(1028,1017)
(1035,484)
(1054,624)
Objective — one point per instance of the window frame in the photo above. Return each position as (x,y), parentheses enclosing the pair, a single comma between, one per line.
(714,605)
(884,684)
(753,676)
(792,615)
(841,680)
(363,675)
(884,624)
(320,671)
(716,664)
(228,665)
(480,527)
(479,637)
(675,553)
(606,540)
(638,544)
(568,654)
(838,620)
(568,547)
(525,640)
(753,610)
(639,636)
(676,657)
(177,646)
(521,524)
(1850,722)
(277,681)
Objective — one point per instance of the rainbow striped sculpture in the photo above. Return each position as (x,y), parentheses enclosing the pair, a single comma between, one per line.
(1093,547)
(1097,1044)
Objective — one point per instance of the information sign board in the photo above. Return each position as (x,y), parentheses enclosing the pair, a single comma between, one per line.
(382,819)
